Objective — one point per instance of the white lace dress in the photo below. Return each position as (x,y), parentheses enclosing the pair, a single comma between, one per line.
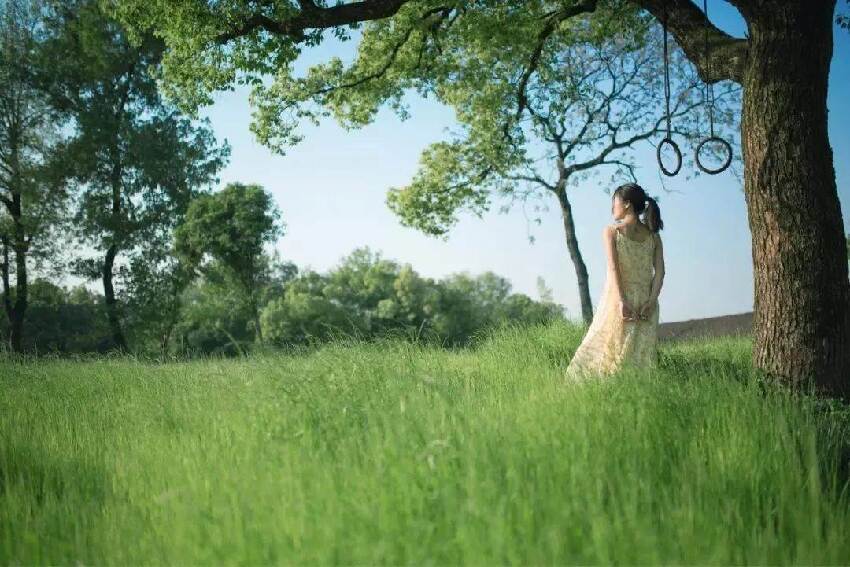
(611,342)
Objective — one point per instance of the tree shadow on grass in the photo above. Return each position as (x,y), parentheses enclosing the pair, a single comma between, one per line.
(698,366)
(41,476)
(832,415)
(833,441)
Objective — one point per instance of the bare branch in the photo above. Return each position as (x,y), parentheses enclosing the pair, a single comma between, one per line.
(629,166)
(532,179)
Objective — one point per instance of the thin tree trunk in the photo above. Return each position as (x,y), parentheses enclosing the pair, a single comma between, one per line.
(19,306)
(15,310)
(109,260)
(255,310)
(7,291)
(801,321)
(21,294)
(109,296)
(164,339)
(575,253)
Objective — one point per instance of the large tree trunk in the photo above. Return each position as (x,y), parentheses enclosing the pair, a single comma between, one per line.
(802,296)
(109,296)
(575,253)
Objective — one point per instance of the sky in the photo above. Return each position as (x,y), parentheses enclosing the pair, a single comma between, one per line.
(331,191)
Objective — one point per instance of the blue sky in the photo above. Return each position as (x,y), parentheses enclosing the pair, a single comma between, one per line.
(331,191)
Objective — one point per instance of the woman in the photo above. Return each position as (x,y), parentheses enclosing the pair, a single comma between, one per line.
(625,328)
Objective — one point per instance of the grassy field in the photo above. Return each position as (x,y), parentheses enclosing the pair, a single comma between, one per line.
(400,453)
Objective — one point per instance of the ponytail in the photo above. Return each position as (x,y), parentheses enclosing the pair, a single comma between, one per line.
(642,204)
(652,215)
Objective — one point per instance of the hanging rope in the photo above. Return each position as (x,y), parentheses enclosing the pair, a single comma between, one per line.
(708,97)
(668,139)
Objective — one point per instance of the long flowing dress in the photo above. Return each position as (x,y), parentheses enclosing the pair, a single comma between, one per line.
(612,342)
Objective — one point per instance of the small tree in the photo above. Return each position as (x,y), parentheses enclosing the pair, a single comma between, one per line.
(231,226)
(156,284)
(137,160)
(584,111)
(369,296)
(213,313)
(32,190)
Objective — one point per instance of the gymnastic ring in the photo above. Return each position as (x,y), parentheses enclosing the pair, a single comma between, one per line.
(667,172)
(726,163)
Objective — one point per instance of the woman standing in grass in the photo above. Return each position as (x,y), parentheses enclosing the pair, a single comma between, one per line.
(625,328)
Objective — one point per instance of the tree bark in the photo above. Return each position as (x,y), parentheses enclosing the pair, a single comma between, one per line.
(16,331)
(109,296)
(575,253)
(15,310)
(801,321)
(255,306)
(112,251)
(4,272)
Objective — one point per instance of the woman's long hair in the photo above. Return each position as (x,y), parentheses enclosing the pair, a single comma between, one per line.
(642,204)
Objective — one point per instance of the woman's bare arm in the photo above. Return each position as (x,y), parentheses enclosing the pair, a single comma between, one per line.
(658,276)
(608,239)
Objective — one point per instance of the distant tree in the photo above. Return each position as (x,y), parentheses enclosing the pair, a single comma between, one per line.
(469,304)
(32,191)
(137,159)
(544,292)
(365,295)
(213,314)
(215,318)
(63,321)
(306,312)
(155,287)
(231,226)
(369,296)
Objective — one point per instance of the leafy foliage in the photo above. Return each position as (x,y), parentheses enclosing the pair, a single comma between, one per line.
(61,320)
(136,160)
(231,226)
(543,98)
(368,296)
(214,315)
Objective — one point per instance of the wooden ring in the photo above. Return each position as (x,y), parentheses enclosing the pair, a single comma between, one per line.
(725,164)
(667,172)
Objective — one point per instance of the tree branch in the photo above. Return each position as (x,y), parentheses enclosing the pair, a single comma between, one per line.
(312,16)
(727,55)
(551,25)
(620,163)
(532,179)
(393,55)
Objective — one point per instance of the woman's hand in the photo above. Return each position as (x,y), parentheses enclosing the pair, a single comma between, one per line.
(627,312)
(646,309)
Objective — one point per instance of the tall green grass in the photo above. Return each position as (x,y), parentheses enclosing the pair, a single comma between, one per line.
(394,452)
